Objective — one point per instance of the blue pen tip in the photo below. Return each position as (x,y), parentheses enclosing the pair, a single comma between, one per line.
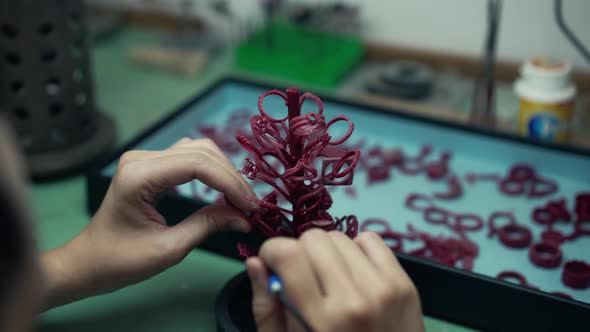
(274,284)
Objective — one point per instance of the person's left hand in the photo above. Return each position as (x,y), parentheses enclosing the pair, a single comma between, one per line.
(127,240)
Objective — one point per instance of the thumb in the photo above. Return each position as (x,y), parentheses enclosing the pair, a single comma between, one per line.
(208,220)
(265,307)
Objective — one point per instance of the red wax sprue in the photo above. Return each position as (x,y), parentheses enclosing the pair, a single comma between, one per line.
(308,160)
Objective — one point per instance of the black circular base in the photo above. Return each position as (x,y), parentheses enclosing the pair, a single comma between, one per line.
(233,309)
(63,162)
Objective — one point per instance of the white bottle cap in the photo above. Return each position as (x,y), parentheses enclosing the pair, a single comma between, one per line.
(545,79)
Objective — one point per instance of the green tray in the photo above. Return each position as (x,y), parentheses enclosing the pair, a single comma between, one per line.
(300,55)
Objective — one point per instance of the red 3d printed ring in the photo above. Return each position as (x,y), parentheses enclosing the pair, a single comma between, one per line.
(522,173)
(543,216)
(437,216)
(515,236)
(545,254)
(505,275)
(542,187)
(468,222)
(375,225)
(393,240)
(378,173)
(455,189)
(499,215)
(576,274)
(511,187)
(418,202)
(582,227)
(553,236)
(436,171)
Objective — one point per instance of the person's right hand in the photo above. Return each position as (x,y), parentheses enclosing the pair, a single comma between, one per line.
(337,284)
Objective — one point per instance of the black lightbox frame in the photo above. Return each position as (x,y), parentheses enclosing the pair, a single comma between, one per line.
(447,293)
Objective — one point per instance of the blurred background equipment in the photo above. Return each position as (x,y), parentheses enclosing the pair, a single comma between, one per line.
(483,112)
(103,22)
(48,90)
(199,31)
(574,40)
(303,44)
(331,16)
(181,61)
(404,79)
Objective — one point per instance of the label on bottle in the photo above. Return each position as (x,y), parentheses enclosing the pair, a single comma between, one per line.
(545,121)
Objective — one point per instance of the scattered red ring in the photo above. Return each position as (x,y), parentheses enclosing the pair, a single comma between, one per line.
(455,189)
(543,216)
(582,208)
(576,274)
(393,157)
(436,215)
(545,254)
(522,173)
(378,173)
(368,225)
(413,199)
(558,208)
(505,275)
(396,238)
(553,236)
(515,236)
(507,215)
(542,187)
(581,229)
(436,171)
(468,222)
(512,188)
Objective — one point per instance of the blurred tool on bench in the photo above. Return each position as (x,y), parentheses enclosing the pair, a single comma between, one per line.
(483,107)
(189,46)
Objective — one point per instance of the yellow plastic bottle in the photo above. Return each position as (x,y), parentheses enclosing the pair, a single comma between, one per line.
(546,99)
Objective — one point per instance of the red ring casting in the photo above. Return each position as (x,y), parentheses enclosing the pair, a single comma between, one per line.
(511,187)
(515,236)
(576,274)
(545,254)
(553,236)
(504,275)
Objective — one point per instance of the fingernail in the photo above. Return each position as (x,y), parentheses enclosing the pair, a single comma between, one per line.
(257,276)
(242,225)
(252,274)
(253,201)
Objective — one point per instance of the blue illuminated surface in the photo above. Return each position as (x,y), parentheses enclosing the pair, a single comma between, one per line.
(471,152)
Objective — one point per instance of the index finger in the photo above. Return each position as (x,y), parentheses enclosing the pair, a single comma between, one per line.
(168,171)
(381,255)
(288,260)
(209,146)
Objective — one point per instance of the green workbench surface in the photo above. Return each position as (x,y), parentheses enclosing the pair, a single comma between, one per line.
(182,298)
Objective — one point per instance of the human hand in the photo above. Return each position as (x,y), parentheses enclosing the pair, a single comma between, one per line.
(127,240)
(337,284)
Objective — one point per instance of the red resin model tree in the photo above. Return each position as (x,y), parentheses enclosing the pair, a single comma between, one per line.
(298,158)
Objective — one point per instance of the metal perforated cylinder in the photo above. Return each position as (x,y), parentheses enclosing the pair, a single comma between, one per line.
(46,88)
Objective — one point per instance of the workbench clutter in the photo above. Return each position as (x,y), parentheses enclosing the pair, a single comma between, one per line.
(184,62)
(546,99)
(47,89)
(311,45)
(469,213)
(404,79)
(197,32)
